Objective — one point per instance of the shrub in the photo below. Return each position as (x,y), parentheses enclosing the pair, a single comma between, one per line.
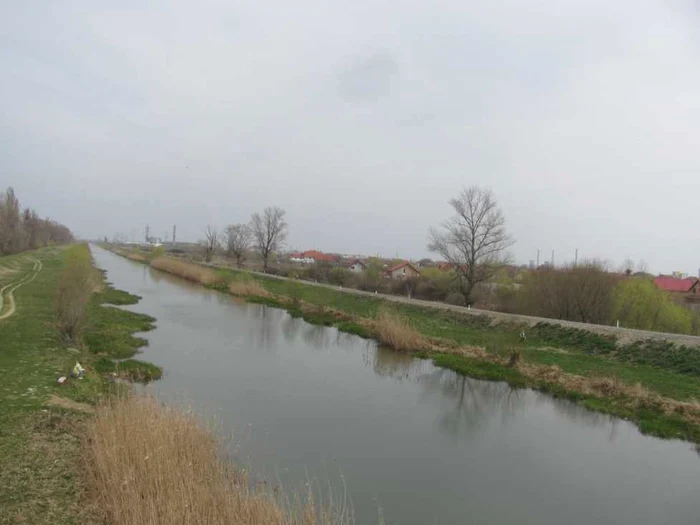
(75,287)
(455,298)
(339,276)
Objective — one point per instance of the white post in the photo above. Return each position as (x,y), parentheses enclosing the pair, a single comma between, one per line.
(618,323)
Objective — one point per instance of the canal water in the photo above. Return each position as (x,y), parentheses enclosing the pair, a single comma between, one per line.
(395,435)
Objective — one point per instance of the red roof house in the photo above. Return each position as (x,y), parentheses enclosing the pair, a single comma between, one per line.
(673,284)
(320,256)
(402,270)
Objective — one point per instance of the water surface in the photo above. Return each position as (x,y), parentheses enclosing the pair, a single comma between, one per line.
(419,444)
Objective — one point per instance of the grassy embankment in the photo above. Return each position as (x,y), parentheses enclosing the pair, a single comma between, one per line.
(41,421)
(84,452)
(654,384)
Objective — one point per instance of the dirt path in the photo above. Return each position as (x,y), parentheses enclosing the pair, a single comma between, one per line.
(29,277)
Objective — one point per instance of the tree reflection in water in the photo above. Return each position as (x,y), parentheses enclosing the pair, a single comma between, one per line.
(472,401)
(390,363)
(268,320)
(319,336)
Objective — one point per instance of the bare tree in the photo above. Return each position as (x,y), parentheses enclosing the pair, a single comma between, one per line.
(474,239)
(642,266)
(210,243)
(269,231)
(627,267)
(238,237)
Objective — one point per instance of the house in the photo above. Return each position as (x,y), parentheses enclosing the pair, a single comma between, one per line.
(683,291)
(313,256)
(445,266)
(671,284)
(357,266)
(402,270)
(448,266)
(299,258)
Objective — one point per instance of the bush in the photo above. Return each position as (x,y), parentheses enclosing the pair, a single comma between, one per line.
(638,303)
(456,299)
(339,276)
(75,287)
(320,272)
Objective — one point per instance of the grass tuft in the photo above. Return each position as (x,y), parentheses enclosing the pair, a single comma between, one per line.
(396,332)
(247,287)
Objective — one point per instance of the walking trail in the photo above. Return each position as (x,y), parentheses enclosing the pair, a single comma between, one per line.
(28,277)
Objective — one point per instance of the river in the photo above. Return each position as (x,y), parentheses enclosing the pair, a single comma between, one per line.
(418,444)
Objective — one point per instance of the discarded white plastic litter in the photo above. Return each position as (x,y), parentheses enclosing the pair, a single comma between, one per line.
(62,380)
(78,371)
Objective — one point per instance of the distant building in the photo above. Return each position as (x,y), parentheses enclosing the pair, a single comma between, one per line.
(683,291)
(445,266)
(313,256)
(675,285)
(402,270)
(357,266)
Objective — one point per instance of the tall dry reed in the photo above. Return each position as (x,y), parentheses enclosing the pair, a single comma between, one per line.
(395,331)
(186,270)
(247,287)
(133,256)
(152,465)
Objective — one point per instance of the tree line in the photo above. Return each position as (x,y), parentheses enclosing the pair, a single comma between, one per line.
(474,243)
(265,233)
(23,229)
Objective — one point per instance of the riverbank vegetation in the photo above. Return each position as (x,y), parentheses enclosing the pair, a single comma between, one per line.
(76,285)
(192,272)
(396,332)
(42,421)
(86,450)
(149,464)
(654,383)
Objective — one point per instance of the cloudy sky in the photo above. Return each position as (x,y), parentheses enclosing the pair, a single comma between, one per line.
(361,119)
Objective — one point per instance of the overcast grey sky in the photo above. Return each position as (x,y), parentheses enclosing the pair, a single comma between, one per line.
(361,119)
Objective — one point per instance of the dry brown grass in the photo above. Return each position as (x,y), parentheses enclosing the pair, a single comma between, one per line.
(135,257)
(149,464)
(186,270)
(395,331)
(248,287)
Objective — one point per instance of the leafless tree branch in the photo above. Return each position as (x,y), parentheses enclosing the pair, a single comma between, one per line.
(237,239)
(269,232)
(474,239)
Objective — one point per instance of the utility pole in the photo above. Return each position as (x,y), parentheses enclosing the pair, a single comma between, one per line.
(538,258)
(148,233)
(552,258)
(174,228)
(576,258)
